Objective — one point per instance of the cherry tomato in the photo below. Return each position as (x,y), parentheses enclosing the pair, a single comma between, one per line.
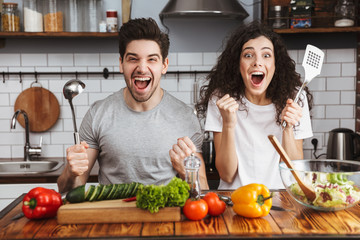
(195,209)
(216,206)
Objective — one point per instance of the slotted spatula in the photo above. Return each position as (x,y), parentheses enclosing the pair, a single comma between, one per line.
(312,64)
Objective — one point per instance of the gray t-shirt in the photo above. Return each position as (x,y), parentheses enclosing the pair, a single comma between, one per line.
(134,146)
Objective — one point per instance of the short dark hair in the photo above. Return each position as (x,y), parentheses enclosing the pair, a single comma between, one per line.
(143,28)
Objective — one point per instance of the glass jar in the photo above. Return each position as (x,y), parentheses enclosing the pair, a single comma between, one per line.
(53,15)
(344,13)
(192,166)
(33,17)
(10,20)
(92,14)
(72,21)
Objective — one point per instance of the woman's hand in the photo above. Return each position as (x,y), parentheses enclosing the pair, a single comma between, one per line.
(292,113)
(228,108)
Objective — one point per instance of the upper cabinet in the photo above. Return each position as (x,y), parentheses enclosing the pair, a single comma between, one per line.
(311,16)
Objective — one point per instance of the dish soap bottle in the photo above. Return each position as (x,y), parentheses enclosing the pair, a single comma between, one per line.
(192,166)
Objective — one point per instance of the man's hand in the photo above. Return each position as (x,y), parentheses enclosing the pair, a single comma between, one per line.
(77,159)
(179,152)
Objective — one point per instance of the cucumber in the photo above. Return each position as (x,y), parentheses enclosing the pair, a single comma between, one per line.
(124,190)
(112,192)
(119,190)
(89,192)
(102,192)
(96,193)
(130,190)
(133,193)
(76,195)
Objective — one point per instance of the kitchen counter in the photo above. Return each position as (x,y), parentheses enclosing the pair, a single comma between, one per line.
(294,221)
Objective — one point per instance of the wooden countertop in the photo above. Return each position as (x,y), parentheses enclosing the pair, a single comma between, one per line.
(295,222)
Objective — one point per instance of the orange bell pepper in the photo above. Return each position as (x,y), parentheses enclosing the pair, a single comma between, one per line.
(253,200)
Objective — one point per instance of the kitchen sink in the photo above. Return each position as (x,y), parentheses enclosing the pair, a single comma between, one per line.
(10,167)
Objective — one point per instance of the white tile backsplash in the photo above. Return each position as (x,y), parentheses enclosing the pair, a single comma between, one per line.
(83,59)
(340,83)
(340,55)
(189,59)
(9,60)
(61,59)
(34,59)
(348,69)
(333,91)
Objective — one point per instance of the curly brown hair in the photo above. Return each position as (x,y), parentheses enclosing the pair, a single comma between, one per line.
(225,77)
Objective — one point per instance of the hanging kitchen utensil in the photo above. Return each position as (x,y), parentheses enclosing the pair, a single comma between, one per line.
(312,63)
(41,106)
(308,191)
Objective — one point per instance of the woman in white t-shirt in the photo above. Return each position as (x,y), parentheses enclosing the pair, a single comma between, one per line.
(248,96)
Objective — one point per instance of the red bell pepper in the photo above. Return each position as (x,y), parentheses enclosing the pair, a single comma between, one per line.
(41,203)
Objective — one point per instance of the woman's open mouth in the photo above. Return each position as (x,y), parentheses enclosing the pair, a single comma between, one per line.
(142,82)
(257,78)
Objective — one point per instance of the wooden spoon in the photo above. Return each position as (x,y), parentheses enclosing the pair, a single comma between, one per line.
(308,191)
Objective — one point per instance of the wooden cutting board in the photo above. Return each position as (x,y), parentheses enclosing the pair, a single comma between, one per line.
(41,106)
(113,211)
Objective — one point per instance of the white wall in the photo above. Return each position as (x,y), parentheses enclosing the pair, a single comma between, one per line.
(333,90)
(194,46)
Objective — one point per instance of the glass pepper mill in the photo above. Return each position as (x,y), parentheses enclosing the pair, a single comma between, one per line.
(192,165)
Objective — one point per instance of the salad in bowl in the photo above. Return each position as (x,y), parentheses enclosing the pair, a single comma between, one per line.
(335,182)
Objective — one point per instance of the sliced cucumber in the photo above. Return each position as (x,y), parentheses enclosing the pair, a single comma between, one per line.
(89,192)
(119,190)
(130,189)
(124,190)
(104,192)
(95,193)
(111,193)
(133,193)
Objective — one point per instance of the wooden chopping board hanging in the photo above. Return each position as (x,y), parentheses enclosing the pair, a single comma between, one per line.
(41,106)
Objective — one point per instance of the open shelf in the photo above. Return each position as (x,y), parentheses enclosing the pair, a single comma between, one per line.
(57,35)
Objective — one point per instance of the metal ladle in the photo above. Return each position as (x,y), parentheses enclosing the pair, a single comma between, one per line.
(71,89)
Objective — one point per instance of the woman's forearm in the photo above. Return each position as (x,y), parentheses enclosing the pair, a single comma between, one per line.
(226,161)
(293,147)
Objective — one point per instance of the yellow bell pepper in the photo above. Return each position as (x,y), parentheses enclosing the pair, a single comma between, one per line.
(253,200)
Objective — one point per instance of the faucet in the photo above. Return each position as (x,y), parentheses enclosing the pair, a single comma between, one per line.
(28,150)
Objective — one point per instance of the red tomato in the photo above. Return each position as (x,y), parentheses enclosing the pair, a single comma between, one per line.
(195,209)
(216,206)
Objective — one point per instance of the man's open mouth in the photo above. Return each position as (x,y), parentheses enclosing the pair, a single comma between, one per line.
(257,77)
(142,82)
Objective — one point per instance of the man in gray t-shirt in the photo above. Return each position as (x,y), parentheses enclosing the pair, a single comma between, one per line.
(140,133)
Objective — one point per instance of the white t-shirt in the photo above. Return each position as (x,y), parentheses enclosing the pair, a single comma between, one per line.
(258,161)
